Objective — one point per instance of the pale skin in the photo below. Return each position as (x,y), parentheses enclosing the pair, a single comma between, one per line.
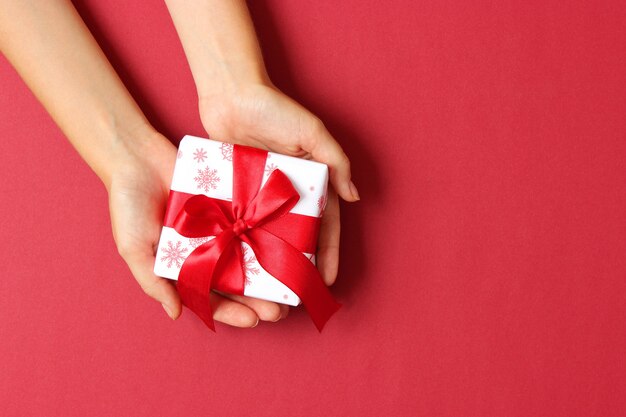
(58,58)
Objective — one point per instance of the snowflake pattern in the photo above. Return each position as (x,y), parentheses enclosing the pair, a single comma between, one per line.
(321,204)
(199,155)
(249,264)
(269,169)
(174,254)
(227,151)
(207,179)
(194,242)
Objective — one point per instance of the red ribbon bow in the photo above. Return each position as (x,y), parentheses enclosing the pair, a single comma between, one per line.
(260,218)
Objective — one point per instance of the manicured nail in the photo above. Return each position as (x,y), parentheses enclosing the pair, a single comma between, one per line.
(354,191)
(167,310)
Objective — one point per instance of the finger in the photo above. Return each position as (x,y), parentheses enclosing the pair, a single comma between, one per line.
(265,310)
(161,289)
(324,148)
(328,242)
(231,312)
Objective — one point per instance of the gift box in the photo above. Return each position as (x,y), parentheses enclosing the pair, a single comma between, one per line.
(212,241)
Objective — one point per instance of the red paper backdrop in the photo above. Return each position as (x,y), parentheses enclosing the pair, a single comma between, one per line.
(482,274)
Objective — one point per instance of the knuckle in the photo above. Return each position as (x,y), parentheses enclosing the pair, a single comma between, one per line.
(125,250)
(149,289)
(344,161)
(317,125)
(341,167)
(310,129)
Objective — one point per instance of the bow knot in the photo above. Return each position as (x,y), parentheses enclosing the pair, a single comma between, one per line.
(239,227)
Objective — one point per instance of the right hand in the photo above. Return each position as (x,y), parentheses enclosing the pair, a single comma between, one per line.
(138,192)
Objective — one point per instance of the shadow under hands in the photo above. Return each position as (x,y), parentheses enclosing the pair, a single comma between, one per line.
(353,260)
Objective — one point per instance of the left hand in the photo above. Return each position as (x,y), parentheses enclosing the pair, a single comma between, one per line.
(261,116)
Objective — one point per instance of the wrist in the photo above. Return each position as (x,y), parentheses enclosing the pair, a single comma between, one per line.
(124,144)
(228,79)
(221,110)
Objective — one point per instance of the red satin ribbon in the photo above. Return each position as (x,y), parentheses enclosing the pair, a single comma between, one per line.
(260,218)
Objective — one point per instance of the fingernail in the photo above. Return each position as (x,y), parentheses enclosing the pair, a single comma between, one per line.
(255,324)
(354,191)
(167,310)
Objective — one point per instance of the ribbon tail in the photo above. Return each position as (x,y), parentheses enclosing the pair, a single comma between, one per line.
(293,269)
(229,277)
(193,287)
(196,275)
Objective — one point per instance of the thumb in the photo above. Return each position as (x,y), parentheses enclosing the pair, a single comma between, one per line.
(160,289)
(324,148)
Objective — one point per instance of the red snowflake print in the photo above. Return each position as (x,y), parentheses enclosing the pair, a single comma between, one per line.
(321,204)
(179,155)
(269,169)
(207,179)
(199,155)
(249,264)
(227,151)
(174,254)
(194,242)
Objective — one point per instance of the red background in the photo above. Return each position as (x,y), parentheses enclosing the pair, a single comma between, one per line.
(482,274)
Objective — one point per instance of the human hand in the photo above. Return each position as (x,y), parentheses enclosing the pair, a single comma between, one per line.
(138,192)
(260,115)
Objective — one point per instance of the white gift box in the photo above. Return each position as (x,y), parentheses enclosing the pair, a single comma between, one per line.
(204,166)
